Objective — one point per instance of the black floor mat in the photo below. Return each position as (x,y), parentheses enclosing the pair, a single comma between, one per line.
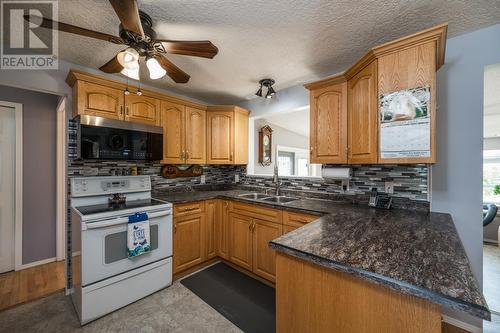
(246,302)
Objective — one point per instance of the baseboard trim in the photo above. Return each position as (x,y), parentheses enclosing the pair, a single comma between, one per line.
(461,324)
(490,241)
(36,263)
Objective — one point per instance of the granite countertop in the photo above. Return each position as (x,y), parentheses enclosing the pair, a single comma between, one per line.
(413,252)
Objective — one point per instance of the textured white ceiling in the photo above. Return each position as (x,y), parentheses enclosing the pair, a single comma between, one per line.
(292,41)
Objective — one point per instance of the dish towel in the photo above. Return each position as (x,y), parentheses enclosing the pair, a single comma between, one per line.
(138,235)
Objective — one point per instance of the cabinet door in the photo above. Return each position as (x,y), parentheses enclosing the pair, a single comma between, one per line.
(96,100)
(328,139)
(264,258)
(173,132)
(220,137)
(240,251)
(189,241)
(212,215)
(142,109)
(363,116)
(223,234)
(195,136)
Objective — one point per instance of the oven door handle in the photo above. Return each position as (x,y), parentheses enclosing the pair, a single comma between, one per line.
(121,220)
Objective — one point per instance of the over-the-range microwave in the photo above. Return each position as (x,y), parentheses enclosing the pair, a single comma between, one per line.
(107,139)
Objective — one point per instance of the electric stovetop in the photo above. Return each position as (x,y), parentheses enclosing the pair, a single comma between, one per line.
(109,207)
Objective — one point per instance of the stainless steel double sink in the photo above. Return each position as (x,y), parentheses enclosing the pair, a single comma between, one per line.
(267,198)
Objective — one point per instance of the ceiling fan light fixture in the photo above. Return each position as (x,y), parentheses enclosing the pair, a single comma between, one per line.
(270,92)
(267,83)
(155,69)
(128,58)
(132,73)
(259,92)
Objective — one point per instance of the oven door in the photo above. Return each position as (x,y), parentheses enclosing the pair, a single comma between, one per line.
(104,246)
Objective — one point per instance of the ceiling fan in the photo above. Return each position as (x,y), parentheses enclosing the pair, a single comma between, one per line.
(137,33)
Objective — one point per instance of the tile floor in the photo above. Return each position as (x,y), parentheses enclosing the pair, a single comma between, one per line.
(174,309)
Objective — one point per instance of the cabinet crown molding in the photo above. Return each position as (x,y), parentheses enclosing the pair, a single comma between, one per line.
(77,75)
(435,34)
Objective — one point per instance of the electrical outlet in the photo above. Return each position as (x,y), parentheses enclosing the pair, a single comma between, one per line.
(236,178)
(202,179)
(389,187)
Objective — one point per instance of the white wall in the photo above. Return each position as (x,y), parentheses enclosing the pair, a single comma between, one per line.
(281,136)
(457,175)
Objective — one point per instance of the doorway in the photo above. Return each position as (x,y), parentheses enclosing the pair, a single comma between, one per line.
(491,188)
(10,182)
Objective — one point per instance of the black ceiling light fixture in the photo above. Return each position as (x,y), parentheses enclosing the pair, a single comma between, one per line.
(268,84)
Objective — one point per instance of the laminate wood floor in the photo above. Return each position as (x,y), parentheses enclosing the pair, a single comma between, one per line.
(491,276)
(30,284)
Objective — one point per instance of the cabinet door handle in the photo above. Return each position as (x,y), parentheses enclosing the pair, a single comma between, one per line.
(250,226)
(190,209)
(253,227)
(175,228)
(231,157)
(121,110)
(126,110)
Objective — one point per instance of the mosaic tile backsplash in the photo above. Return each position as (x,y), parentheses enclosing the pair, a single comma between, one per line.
(410,181)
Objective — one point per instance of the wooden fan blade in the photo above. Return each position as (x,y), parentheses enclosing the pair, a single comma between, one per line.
(177,74)
(128,13)
(203,48)
(112,66)
(49,24)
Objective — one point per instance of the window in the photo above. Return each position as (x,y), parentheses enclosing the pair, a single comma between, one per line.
(491,175)
(295,162)
(286,163)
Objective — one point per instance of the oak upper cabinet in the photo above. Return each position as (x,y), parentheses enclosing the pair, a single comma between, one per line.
(264,258)
(362,108)
(328,123)
(222,229)
(189,236)
(183,134)
(195,135)
(172,118)
(227,135)
(98,100)
(409,68)
(212,215)
(142,109)
(241,238)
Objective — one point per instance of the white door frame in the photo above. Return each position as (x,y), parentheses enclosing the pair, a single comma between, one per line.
(61,184)
(18,227)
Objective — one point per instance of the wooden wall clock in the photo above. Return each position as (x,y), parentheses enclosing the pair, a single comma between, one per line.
(265,145)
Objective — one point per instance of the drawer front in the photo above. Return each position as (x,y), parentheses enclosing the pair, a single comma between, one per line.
(295,219)
(189,208)
(263,213)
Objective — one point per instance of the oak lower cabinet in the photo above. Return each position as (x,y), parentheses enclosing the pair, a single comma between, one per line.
(227,135)
(241,243)
(252,227)
(212,208)
(363,116)
(189,241)
(222,229)
(264,258)
(292,220)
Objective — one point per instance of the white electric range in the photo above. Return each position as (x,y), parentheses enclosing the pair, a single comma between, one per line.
(104,278)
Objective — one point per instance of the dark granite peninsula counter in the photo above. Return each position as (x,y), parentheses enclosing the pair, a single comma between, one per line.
(407,252)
